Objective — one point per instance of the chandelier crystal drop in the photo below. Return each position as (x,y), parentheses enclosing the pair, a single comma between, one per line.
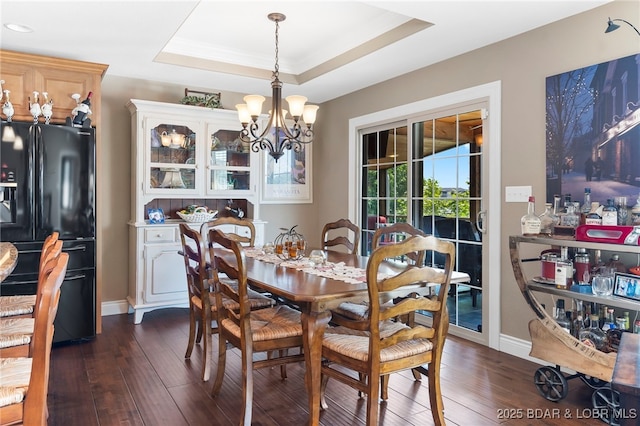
(277,136)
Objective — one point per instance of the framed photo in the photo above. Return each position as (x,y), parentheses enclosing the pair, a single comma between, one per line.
(288,180)
(627,285)
(155,215)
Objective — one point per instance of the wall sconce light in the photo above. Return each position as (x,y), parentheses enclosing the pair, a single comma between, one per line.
(478,139)
(612,27)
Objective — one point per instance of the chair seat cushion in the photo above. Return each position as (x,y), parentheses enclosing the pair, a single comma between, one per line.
(356,311)
(277,322)
(355,344)
(23,325)
(11,340)
(256,300)
(15,374)
(16,305)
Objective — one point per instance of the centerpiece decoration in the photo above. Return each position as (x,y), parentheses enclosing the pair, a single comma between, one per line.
(290,244)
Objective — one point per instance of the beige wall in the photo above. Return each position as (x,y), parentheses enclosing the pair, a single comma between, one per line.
(115,184)
(521,63)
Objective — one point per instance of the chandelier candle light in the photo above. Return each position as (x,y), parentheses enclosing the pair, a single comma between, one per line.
(283,137)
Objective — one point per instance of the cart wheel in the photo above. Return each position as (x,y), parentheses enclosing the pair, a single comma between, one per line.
(594,382)
(606,402)
(551,383)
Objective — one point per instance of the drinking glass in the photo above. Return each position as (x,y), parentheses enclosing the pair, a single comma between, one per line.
(602,285)
(317,257)
(268,248)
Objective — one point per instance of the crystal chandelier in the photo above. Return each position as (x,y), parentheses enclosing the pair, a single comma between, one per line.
(276,136)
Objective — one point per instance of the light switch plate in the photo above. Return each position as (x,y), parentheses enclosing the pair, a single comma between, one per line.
(517,194)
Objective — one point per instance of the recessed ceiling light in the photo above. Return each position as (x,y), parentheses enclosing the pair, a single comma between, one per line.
(19,28)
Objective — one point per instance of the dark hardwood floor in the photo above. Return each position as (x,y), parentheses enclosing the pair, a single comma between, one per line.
(137,375)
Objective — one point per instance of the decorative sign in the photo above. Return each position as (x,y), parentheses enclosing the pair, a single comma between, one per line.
(287,181)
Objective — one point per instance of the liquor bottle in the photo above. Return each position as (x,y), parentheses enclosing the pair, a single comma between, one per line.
(609,321)
(627,321)
(621,323)
(635,213)
(602,315)
(557,209)
(597,262)
(586,205)
(235,211)
(593,335)
(564,270)
(623,210)
(594,217)
(582,265)
(530,223)
(609,214)
(616,263)
(570,219)
(567,201)
(82,110)
(548,220)
(577,326)
(561,316)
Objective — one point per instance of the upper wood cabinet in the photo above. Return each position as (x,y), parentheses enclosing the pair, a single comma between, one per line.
(25,73)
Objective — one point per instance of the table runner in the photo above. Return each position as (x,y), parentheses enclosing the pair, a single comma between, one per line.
(336,271)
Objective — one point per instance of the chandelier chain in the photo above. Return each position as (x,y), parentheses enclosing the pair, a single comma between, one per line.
(276,72)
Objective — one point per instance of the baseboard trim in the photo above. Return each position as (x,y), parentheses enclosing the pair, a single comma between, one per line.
(517,347)
(116,307)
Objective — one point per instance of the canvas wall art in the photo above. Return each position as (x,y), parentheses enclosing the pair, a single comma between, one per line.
(593,131)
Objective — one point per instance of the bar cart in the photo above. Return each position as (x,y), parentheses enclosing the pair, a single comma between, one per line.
(550,343)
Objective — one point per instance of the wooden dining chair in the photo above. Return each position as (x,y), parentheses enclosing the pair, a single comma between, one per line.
(385,235)
(384,343)
(202,306)
(24,381)
(333,234)
(246,236)
(350,311)
(274,331)
(16,332)
(22,305)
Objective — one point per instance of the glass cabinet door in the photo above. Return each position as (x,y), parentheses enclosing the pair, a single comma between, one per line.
(229,162)
(171,156)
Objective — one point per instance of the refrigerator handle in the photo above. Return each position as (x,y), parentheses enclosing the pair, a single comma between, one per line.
(80,247)
(74,277)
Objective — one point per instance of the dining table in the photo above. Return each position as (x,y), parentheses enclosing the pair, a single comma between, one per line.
(315,295)
(8,259)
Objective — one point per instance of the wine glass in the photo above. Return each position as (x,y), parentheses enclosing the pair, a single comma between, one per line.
(317,257)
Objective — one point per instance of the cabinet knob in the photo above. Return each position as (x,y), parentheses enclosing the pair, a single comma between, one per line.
(158,235)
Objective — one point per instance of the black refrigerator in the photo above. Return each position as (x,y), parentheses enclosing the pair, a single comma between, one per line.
(48,181)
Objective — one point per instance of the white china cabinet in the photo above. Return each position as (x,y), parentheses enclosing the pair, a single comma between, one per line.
(180,153)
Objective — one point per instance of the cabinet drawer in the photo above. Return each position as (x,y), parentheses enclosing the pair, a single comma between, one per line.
(159,235)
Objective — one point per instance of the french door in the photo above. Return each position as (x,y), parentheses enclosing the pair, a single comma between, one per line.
(427,170)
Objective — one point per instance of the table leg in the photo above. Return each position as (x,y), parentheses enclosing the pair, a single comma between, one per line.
(313,326)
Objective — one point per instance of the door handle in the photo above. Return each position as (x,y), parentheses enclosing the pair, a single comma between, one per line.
(480,217)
